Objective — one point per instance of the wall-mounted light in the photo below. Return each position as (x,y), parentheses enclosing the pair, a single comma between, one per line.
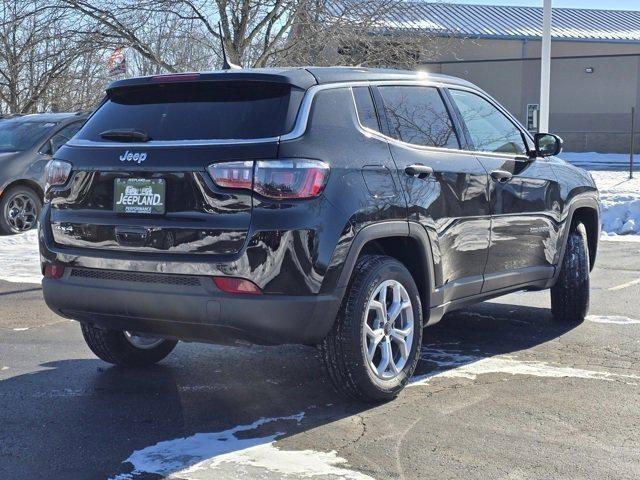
(589,70)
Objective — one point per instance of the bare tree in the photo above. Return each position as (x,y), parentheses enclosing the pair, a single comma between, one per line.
(177,34)
(36,49)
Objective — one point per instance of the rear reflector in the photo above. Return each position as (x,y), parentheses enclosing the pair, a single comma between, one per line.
(237,285)
(53,271)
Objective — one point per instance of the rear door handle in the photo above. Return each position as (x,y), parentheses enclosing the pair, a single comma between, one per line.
(418,170)
(501,176)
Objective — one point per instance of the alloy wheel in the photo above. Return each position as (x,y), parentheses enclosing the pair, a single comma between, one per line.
(21,213)
(388,332)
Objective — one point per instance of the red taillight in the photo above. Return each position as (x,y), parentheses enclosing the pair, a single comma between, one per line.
(285,179)
(237,285)
(53,271)
(279,179)
(232,174)
(56,172)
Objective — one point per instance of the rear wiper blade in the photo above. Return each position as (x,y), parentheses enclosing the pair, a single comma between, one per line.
(125,135)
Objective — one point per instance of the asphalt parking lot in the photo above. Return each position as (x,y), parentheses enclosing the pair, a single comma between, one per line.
(501,393)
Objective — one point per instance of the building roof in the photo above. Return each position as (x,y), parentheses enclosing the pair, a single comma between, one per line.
(492,21)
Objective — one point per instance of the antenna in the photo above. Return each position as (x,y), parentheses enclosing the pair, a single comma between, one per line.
(226,64)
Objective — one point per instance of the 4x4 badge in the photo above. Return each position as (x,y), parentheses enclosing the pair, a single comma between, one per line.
(133,157)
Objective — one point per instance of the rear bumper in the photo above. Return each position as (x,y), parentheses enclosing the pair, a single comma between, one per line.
(187,308)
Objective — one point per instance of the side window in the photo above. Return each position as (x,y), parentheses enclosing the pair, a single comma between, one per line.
(64,135)
(418,115)
(490,129)
(365,108)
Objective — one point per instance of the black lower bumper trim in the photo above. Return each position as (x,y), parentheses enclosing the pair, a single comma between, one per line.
(195,311)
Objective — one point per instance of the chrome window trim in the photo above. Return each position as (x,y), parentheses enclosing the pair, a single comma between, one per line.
(302,120)
(381,136)
(169,143)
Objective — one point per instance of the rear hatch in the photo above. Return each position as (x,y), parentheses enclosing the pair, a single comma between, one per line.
(143,185)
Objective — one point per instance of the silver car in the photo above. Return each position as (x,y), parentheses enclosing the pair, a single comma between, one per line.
(26,144)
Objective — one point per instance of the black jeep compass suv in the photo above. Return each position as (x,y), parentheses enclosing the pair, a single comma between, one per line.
(340,207)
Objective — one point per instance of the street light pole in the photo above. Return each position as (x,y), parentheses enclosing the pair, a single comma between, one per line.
(545,68)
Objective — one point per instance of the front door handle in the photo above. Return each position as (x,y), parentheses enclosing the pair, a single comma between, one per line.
(501,176)
(418,170)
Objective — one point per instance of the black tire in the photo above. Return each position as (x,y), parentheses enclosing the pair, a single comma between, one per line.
(570,294)
(112,346)
(8,196)
(344,351)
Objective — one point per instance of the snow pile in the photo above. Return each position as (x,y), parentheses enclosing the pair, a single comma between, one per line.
(234,454)
(620,196)
(19,258)
(620,199)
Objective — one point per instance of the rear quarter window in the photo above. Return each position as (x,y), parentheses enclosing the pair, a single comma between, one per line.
(200,111)
(365,108)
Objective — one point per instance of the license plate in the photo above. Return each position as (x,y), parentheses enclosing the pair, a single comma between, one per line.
(139,195)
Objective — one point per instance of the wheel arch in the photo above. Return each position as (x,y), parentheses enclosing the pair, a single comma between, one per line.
(33,185)
(586,210)
(589,217)
(410,246)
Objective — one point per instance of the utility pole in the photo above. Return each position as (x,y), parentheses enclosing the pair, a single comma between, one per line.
(545,68)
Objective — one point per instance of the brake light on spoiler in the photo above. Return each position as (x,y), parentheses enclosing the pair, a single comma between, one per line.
(175,77)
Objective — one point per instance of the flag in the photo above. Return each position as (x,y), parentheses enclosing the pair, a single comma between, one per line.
(117,63)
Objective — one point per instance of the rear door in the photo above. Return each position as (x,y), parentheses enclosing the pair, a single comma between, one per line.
(157,196)
(445,187)
(523,194)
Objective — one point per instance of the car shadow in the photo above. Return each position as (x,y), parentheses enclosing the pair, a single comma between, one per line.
(81,418)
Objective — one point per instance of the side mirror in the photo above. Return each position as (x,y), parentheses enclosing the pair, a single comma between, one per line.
(547,144)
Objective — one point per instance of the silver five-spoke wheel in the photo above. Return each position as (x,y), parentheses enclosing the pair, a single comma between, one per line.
(388,329)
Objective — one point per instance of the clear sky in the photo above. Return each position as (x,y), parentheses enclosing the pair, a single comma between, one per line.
(604,4)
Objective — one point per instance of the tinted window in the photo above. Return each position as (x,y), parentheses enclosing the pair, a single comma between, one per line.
(418,115)
(64,135)
(366,109)
(490,129)
(20,134)
(201,111)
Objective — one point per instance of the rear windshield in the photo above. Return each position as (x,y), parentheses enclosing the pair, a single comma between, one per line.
(200,111)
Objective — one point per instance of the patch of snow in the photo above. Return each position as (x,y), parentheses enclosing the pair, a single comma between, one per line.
(614,319)
(20,329)
(620,198)
(599,161)
(4,368)
(454,364)
(20,258)
(225,454)
(613,237)
(622,286)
